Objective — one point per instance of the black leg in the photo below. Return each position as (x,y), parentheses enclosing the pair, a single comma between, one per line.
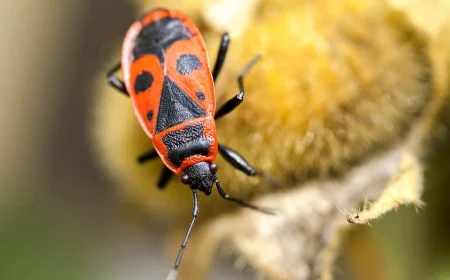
(222,53)
(147,156)
(241,164)
(237,160)
(114,81)
(231,104)
(165,174)
(173,272)
(164,177)
(224,195)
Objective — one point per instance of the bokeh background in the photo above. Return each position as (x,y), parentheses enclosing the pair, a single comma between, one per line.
(61,218)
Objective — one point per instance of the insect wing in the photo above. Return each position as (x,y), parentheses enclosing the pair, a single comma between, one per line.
(187,64)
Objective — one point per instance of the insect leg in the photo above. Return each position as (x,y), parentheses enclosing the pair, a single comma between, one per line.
(164,177)
(231,104)
(222,53)
(114,81)
(237,160)
(165,174)
(173,272)
(241,164)
(147,156)
(224,195)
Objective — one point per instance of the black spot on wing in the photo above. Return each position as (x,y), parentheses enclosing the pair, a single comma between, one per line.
(185,143)
(156,37)
(187,63)
(143,82)
(150,115)
(175,107)
(201,95)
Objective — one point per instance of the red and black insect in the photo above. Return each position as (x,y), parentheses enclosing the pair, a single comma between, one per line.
(167,75)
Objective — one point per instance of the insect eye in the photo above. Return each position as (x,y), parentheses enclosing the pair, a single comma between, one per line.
(184,179)
(213,167)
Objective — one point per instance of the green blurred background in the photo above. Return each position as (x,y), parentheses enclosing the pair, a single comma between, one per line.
(60,217)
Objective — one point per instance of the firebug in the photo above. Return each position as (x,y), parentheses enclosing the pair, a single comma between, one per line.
(167,75)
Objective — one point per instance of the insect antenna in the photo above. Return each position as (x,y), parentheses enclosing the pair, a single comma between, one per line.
(174,271)
(243,203)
